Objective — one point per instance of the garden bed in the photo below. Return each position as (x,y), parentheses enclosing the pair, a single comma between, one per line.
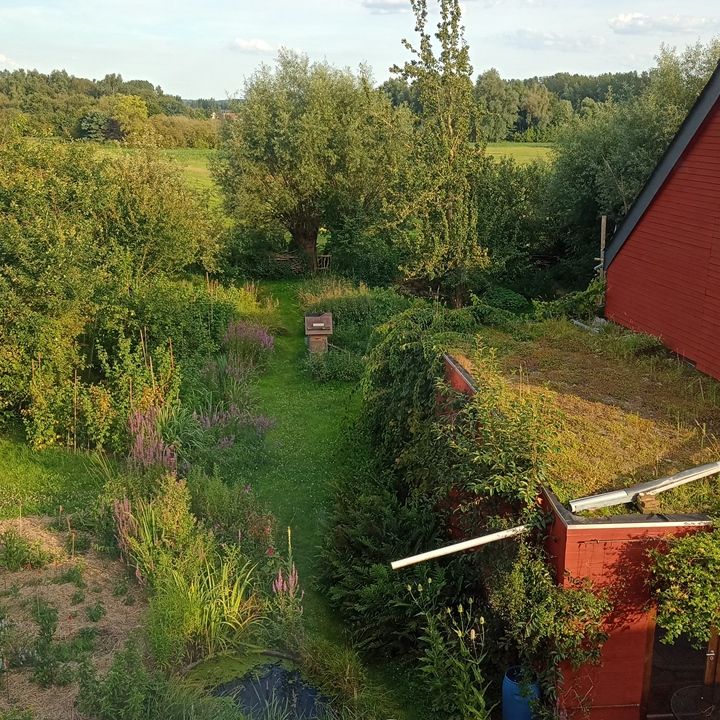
(95,605)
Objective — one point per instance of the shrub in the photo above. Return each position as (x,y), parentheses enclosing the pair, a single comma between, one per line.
(370,526)
(583,304)
(340,365)
(233,512)
(78,283)
(685,574)
(18,553)
(152,533)
(545,624)
(506,299)
(353,304)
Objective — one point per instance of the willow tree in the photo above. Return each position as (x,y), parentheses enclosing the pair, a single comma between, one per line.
(310,142)
(442,247)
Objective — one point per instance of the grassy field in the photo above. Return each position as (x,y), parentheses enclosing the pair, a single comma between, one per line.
(195,163)
(195,166)
(522,153)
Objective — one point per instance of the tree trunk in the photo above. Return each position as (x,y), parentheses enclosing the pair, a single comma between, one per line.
(304,239)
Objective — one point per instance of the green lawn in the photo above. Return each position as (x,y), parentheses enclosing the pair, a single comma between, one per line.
(521,152)
(194,164)
(297,481)
(38,482)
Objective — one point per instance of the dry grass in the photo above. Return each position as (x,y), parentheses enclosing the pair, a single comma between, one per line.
(329,288)
(19,591)
(624,411)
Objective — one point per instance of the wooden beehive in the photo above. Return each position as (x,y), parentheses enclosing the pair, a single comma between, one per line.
(318,324)
(318,327)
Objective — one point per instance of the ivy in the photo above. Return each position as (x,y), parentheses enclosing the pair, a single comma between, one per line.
(687,587)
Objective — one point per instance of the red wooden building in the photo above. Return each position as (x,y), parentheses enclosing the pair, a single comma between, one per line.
(637,674)
(663,264)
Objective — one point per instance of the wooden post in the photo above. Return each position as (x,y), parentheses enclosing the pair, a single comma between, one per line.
(603,238)
(712,666)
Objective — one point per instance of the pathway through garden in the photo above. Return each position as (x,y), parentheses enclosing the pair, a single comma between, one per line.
(297,481)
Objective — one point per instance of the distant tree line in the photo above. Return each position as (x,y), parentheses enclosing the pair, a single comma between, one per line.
(534,109)
(135,111)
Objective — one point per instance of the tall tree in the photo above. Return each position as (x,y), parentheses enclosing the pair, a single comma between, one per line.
(443,247)
(310,143)
(497,105)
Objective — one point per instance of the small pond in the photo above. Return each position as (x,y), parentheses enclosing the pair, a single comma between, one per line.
(274,687)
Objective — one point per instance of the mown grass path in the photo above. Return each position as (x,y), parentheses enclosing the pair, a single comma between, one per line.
(297,481)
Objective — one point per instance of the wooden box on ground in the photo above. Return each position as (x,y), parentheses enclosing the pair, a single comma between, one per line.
(318,326)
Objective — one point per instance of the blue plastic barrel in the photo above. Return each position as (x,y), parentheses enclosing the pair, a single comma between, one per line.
(517,696)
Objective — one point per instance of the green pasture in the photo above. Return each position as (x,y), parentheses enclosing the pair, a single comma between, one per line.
(522,153)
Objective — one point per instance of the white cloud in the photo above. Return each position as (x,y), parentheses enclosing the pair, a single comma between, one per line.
(386,7)
(5,61)
(532,39)
(255,46)
(636,23)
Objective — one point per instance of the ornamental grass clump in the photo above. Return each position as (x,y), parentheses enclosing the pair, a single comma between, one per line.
(203,613)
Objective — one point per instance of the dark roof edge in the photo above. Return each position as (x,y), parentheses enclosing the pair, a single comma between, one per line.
(684,136)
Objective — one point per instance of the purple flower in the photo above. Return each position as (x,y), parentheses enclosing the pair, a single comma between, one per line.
(147,448)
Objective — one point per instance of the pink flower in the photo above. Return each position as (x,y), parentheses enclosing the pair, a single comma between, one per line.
(270,552)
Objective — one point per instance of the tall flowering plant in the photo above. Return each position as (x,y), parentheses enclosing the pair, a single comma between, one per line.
(147,448)
(248,342)
(287,597)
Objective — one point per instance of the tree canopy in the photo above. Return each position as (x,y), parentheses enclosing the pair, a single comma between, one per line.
(442,246)
(311,145)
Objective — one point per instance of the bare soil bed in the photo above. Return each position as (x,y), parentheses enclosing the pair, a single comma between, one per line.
(94,597)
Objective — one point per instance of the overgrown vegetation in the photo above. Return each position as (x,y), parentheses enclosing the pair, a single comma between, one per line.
(480,463)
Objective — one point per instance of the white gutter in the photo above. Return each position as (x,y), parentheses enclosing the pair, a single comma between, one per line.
(652,487)
(459,547)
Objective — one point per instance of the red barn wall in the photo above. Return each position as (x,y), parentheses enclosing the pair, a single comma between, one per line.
(614,557)
(665,280)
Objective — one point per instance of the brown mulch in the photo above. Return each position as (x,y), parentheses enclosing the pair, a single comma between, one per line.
(103,577)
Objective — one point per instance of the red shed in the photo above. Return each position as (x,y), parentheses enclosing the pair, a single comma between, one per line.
(663,264)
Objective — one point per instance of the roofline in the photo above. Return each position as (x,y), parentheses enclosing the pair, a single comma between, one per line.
(684,136)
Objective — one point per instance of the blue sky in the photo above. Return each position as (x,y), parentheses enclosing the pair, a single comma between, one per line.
(195,48)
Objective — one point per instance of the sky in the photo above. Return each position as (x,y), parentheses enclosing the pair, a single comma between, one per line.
(207,48)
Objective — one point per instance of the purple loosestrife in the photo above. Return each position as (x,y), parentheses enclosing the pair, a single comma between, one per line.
(148,449)
(239,332)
